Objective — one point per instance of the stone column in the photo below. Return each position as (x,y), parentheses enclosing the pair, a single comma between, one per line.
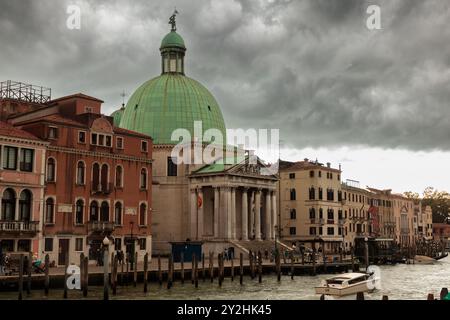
(229,213)
(193,213)
(274,215)
(268,217)
(200,220)
(258,215)
(233,213)
(244,214)
(216,212)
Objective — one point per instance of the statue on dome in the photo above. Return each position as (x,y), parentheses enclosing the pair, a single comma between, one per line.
(172,20)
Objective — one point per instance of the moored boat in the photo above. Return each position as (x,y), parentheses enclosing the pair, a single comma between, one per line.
(348,283)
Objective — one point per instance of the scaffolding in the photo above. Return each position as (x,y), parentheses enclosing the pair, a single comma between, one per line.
(24,92)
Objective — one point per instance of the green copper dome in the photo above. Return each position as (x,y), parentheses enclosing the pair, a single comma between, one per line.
(117,116)
(172,39)
(169,102)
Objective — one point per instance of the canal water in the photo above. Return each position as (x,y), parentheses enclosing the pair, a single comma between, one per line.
(402,281)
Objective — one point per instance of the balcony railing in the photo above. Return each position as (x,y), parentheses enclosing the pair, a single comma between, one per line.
(316,221)
(100,226)
(19,226)
(99,188)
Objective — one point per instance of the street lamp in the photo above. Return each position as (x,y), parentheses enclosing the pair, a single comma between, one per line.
(105,267)
(366,251)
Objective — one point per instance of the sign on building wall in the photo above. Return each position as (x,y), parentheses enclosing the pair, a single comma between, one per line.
(130,211)
(65,208)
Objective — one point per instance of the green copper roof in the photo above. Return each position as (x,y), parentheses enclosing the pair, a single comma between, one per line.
(117,116)
(173,39)
(169,102)
(219,165)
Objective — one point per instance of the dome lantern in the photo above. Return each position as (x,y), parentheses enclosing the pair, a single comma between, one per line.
(172,50)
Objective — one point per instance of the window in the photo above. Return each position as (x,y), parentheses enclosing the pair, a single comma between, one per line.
(320,213)
(312,193)
(119,143)
(292,231)
(104,212)
(143,179)
(51,170)
(312,213)
(94,138)
(81,137)
(119,177)
(320,193)
(293,214)
(292,194)
(171,167)
(48,246)
(8,205)
(118,244)
(10,158)
(320,174)
(49,210)
(320,230)
(330,214)
(26,160)
(330,231)
(312,231)
(96,177)
(144,146)
(52,132)
(330,194)
(339,195)
(331,175)
(339,177)
(80,173)
(340,231)
(291,175)
(104,177)
(25,206)
(24,245)
(340,214)
(311,174)
(101,139)
(93,211)
(108,141)
(79,212)
(142,214)
(118,214)
(78,244)
(88,109)
(143,243)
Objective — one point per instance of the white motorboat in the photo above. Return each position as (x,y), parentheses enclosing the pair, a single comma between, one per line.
(348,283)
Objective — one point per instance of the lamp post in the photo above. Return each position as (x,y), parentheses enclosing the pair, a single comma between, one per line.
(132,247)
(366,251)
(105,268)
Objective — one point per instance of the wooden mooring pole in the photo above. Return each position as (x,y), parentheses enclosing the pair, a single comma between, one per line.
(241,267)
(82,271)
(192,268)
(29,266)
(21,277)
(170,274)
(86,276)
(211,266)
(182,267)
(250,259)
(135,269)
(292,265)
(66,276)
(105,275)
(232,269)
(47,277)
(203,268)
(278,266)
(145,272)
(195,270)
(160,278)
(114,275)
(259,267)
(219,262)
(314,258)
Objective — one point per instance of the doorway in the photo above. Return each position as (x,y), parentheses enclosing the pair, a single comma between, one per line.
(63,252)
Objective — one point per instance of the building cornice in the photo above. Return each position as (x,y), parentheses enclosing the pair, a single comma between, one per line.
(99,154)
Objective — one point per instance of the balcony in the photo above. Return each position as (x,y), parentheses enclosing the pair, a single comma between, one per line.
(341,222)
(316,221)
(19,227)
(99,188)
(101,227)
(330,221)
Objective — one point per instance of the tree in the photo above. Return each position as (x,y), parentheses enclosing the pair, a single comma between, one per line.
(411,195)
(439,201)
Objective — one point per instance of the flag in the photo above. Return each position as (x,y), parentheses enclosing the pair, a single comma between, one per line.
(199,201)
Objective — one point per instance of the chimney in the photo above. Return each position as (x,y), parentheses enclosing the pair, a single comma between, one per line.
(340,167)
(328,164)
(306,159)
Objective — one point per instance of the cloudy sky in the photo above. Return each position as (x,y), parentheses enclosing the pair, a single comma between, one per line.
(376,101)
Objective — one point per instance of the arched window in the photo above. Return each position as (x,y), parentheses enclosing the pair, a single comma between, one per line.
(8,205)
(51,170)
(293,214)
(142,214)
(119,177)
(49,210)
(143,179)
(96,177)
(104,212)
(80,173)
(93,211)
(293,194)
(79,212)
(25,206)
(312,213)
(118,213)
(312,193)
(104,177)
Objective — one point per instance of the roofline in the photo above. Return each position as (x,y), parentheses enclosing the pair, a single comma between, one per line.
(75,95)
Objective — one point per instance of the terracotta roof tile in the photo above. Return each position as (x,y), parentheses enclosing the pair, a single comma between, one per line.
(8,130)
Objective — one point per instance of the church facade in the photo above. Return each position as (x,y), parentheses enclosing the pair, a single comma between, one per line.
(222,203)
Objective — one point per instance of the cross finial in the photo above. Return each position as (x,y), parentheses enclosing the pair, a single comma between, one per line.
(123,95)
(172,20)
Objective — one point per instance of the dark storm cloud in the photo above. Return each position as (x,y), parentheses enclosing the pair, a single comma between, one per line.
(310,68)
